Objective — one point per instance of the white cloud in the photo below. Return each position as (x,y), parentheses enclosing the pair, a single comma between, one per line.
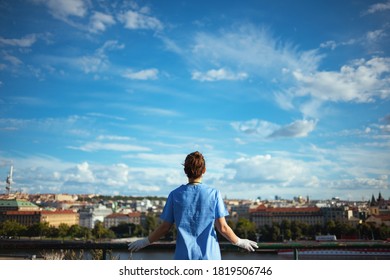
(361,81)
(258,127)
(12,59)
(156,111)
(117,147)
(333,44)
(218,75)
(80,174)
(99,22)
(152,159)
(379,7)
(146,74)
(110,45)
(24,42)
(99,61)
(373,36)
(62,9)
(299,128)
(41,174)
(338,171)
(251,49)
(266,169)
(113,138)
(47,125)
(360,183)
(264,129)
(93,64)
(139,20)
(293,75)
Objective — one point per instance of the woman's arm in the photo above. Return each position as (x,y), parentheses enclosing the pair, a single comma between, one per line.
(229,234)
(160,231)
(225,230)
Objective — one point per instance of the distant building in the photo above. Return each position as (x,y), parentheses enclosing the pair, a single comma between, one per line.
(334,213)
(117,218)
(25,218)
(89,216)
(55,218)
(65,197)
(238,209)
(378,220)
(21,211)
(86,217)
(263,215)
(143,205)
(17,205)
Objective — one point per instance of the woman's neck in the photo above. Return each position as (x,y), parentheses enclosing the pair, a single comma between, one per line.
(195,181)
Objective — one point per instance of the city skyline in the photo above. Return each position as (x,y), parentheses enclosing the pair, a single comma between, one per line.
(283,98)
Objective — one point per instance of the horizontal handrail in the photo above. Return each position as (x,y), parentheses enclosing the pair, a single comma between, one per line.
(107,245)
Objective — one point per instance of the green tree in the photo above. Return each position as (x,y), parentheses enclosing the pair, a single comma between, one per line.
(12,228)
(76,231)
(85,233)
(275,233)
(63,230)
(296,229)
(151,223)
(99,231)
(383,232)
(123,229)
(266,234)
(285,228)
(330,227)
(53,232)
(246,228)
(39,229)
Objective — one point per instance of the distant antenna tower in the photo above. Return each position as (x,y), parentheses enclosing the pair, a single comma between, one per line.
(9,180)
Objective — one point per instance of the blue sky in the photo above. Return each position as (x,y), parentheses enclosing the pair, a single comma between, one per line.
(283,98)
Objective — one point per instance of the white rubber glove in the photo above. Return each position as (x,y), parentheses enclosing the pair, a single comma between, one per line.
(139,244)
(246,244)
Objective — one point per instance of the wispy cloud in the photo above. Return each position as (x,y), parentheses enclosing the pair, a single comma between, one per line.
(300,128)
(140,20)
(99,62)
(379,7)
(24,42)
(100,21)
(146,74)
(117,147)
(251,49)
(62,9)
(154,111)
(49,125)
(113,138)
(218,75)
(13,60)
(264,129)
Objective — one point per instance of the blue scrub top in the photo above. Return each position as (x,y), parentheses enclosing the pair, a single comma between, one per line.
(194,208)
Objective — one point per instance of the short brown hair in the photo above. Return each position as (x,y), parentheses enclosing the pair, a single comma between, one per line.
(194,165)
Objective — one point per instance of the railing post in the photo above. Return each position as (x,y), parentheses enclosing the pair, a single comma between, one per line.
(296,254)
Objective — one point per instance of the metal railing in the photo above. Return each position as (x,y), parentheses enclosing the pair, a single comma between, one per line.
(293,248)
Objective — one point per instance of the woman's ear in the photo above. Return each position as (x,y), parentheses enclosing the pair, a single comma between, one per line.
(204,171)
